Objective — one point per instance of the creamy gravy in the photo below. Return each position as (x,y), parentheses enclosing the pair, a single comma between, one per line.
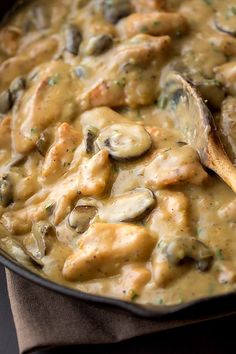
(97,190)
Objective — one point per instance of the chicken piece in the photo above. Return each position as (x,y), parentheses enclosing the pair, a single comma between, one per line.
(20,222)
(5,132)
(131,282)
(148,5)
(164,272)
(39,53)
(33,113)
(226,75)
(174,166)
(105,248)
(168,221)
(227,126)
(227,273)
(228,211)
(120,83)
(9,40)
(61,153)
(154,23)
(25,188)
(224,42)
(171,217)
(100,118)
(94,174)
(65,201)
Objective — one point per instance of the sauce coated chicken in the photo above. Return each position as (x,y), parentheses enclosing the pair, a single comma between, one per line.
(98,190)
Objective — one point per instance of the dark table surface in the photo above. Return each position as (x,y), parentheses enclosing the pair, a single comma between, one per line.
(214,337)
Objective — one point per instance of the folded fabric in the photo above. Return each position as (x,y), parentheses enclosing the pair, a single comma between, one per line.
(45,319)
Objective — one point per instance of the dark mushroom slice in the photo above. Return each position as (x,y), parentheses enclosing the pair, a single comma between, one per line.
(188,247)
(225,17)
(80,217)
(80,71)
(37,243)
(130,206)
(6,191)
(124,141)
(43,143)
(114,10)
(192,117)
(99,44)
(90,137)
(13,247)
(17,160)
(17,86)
(5,101)
(73,39)
(82,3)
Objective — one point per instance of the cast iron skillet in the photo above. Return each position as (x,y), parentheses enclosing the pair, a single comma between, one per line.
(215,306)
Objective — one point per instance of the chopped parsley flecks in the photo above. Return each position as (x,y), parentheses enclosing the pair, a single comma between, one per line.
(133,295)
(121,82)
(208,2)
(33,131)
(162,101)
(49,207)
(219,254)
(53,80)
(160,301)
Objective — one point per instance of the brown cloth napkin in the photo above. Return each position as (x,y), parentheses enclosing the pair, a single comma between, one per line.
(45,319)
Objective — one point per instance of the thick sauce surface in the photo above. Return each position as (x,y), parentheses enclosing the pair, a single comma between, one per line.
(97,189)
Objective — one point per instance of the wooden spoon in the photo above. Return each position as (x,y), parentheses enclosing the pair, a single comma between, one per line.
(192,117)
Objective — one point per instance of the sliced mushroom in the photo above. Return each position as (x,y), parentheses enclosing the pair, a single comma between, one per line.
(5,101)
(81,3)
(17,86)
(80,71)
(225,17)
(124,141)
(36,244)
(14,248)
(114,10)
(192,117)
(99,44)
(80,217)
(189,247)
(6,191)
(90,138)
(17,160)
(130,206)
(73,39)
(43,143)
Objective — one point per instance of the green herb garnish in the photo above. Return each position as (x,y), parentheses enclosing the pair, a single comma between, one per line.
(219,254)
(231,11)
(162,101)
(49,207)
(134,295)
(121,82)
(53,80)
(33,131)
(160,302)
(144,29)
(208,2)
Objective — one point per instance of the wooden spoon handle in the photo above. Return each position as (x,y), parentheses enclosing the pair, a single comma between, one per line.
(219,162)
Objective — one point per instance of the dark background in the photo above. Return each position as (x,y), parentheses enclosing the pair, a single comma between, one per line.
(213,337)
